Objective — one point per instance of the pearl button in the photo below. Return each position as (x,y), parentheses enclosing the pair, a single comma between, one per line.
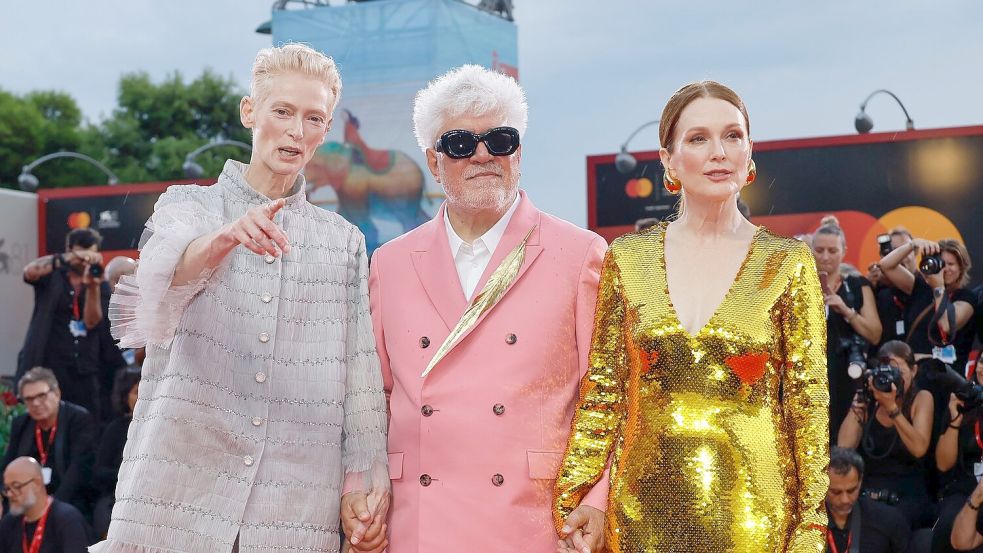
(267,298)
(269,258)
(247,460)
(260,377)
(264,337)
(257,421)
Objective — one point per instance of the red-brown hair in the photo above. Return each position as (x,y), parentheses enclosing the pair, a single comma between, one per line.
(684,96)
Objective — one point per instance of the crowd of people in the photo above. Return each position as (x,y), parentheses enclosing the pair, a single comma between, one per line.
(495,381)
(906,381)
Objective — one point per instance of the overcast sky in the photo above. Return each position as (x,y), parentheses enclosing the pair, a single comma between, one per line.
(593,71)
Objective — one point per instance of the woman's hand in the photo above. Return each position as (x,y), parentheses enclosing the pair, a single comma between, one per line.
(887,400)
(926,247)
(836,303)
(954,405)
(257,232)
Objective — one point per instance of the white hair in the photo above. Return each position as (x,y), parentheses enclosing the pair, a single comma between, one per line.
(293,58)
(472,90)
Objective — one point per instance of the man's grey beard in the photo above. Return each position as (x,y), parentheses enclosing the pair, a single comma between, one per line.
(29,501)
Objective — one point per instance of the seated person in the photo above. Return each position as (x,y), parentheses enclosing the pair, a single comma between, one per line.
(37,522)
(56,433)
(892,430)
(109,456)
(882,528)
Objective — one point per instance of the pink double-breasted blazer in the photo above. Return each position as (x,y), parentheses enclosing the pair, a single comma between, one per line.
(474,447)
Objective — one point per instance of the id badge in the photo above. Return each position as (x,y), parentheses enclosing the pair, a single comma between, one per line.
(978,471)
(899,328)
(946,354)
(46,474)
(77,328)
(130,356)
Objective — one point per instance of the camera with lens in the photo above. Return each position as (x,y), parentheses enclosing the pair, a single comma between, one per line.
(951,382)
(884,244)
(931,264)
(95,270)
(854,346)
(884,375)
(887,497)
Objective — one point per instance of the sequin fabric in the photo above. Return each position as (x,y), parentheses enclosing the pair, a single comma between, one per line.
(719,439)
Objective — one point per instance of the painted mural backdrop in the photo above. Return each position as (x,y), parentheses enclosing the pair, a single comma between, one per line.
(930,182)
(370,169)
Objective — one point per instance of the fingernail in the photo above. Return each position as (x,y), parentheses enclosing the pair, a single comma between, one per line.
(354,540)
(565,529)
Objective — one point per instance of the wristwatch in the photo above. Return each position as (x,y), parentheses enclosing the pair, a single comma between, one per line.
(57,260)
(937,292)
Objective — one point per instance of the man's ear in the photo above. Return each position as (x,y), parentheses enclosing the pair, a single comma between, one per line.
(432,164)
(247,113)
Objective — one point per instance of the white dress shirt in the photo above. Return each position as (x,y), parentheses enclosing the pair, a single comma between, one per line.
(472,259)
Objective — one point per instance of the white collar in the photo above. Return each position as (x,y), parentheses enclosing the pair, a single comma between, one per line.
(490,238)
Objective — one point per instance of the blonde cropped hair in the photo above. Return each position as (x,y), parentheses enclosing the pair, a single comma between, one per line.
(471,90)
(293,58)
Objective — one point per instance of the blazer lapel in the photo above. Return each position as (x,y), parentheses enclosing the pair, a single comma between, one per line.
(437,273)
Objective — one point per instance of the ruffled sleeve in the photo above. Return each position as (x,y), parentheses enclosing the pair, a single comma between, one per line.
(145,309)
(363,448)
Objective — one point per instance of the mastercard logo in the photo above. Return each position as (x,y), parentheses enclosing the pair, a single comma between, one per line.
(79,219)
(639,188)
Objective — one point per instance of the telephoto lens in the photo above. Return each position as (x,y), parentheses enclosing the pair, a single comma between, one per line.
(95,270)
(931,264)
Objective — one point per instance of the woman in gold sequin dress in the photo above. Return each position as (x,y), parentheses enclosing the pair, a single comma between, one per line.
(707,388)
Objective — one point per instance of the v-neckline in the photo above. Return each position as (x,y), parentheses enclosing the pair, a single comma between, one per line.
(727,295)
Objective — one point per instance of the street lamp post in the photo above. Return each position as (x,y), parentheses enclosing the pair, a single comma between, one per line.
(624,162)
(29,182)
(192,170)
(863,123)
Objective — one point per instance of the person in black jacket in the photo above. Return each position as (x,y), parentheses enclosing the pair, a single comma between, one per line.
(109,456)
(881,528)
(38,522)
(56,433)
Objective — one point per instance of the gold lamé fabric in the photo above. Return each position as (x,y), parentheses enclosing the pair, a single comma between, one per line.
(719,439)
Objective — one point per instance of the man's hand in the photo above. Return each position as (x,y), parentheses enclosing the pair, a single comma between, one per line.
(365,528)
(583,531)
(257,232)
(89,258)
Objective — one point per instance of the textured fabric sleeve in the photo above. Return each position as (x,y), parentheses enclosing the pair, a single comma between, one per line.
(363,447)
(804,412)
(598,416)
(145,309)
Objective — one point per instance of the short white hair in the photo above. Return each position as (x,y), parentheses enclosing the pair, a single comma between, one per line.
(293,58)
(472,90)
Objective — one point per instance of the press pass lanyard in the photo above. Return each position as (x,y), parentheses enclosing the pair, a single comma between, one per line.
(38,537)
(43,451)
(853,540)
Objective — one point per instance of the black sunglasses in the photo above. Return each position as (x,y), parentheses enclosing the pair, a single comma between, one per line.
(459,144)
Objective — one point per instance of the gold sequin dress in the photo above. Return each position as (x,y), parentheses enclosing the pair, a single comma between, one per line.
(719,439)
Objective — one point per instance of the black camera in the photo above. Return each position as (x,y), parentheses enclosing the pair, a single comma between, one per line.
(854,346)
(887,497)
(884,244)
(884,375)
(95,270)
(951,382)
(931,264)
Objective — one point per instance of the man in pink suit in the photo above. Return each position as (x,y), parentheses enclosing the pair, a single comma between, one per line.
(475,445)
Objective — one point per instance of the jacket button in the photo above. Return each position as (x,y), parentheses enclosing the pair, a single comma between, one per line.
(426,410)
(424,342)
(425,480)
(267,297)
(260,377)
(264,337)
(498,480)
(269,258)
(498,409)
(510,338)
(247,460)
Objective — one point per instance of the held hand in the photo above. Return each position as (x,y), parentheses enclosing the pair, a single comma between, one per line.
(583,531)
(887,400)
(954,405)
(936,280)
(874,273)
(926,247)
(87,279)
(836,303)
(366,532)
(257,232)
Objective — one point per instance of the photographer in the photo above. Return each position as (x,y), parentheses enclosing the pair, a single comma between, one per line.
(958,455)
(69,297)
(851,319)
(892,303)
(940,305)
(853,519)
(891,422)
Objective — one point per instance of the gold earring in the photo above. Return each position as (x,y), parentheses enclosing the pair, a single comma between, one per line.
(673,186)
(752,171)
